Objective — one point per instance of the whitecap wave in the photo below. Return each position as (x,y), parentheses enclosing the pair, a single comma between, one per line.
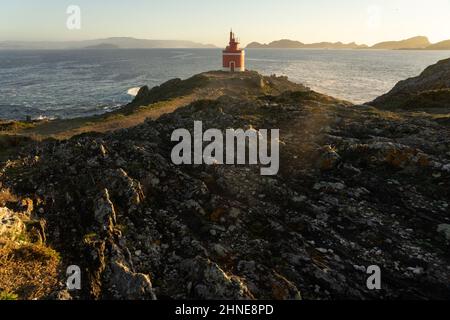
(182,56)
(43,118)
(134,91)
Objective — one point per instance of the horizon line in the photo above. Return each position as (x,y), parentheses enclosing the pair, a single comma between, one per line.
(213,44)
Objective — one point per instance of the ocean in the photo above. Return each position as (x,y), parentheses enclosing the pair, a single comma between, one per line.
(74,83)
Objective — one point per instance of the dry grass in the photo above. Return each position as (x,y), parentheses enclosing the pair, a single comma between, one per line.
(28,272)
(65,129)
(387,115)
(6,196)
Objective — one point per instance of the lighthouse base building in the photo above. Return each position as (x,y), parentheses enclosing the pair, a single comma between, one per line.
(233,56)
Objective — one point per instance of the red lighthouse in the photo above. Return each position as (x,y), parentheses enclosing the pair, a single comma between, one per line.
(233,56)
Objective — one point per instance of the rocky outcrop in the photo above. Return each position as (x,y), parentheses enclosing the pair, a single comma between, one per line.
(11,226)
(444,229)
(121,282)
(357,187)
(28,268)
(215,84)
(429,90)
(111,271)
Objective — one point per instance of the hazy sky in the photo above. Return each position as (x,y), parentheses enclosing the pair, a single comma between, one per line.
(208,21)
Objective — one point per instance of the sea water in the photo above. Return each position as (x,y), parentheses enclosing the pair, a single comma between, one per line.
(74,83)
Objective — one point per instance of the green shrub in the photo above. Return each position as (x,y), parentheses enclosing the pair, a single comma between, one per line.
(8,296)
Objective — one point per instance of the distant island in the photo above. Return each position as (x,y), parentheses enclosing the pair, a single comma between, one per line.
(290,44)
(108,43)
(443,45)
(412,43)
(102,46)
(415,43)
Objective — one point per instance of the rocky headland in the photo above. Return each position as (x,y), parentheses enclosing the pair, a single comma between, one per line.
(358,186)
(430,91)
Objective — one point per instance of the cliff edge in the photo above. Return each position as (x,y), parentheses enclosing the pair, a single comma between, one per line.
(428,91)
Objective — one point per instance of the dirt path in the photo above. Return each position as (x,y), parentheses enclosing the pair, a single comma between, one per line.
(64,129)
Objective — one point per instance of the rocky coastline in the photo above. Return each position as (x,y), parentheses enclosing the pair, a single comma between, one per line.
(359,185)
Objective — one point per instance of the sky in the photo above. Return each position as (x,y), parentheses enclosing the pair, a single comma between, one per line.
(209,21)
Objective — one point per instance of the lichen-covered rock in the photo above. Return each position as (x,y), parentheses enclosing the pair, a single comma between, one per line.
(328,158)
(444,229)
(208,281)
(115,203)
(127,285)
(11,226)
(104,212)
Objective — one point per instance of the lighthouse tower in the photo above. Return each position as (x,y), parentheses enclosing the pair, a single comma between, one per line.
(233,56)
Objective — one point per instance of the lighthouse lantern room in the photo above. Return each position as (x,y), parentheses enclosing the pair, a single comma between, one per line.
(233,56)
